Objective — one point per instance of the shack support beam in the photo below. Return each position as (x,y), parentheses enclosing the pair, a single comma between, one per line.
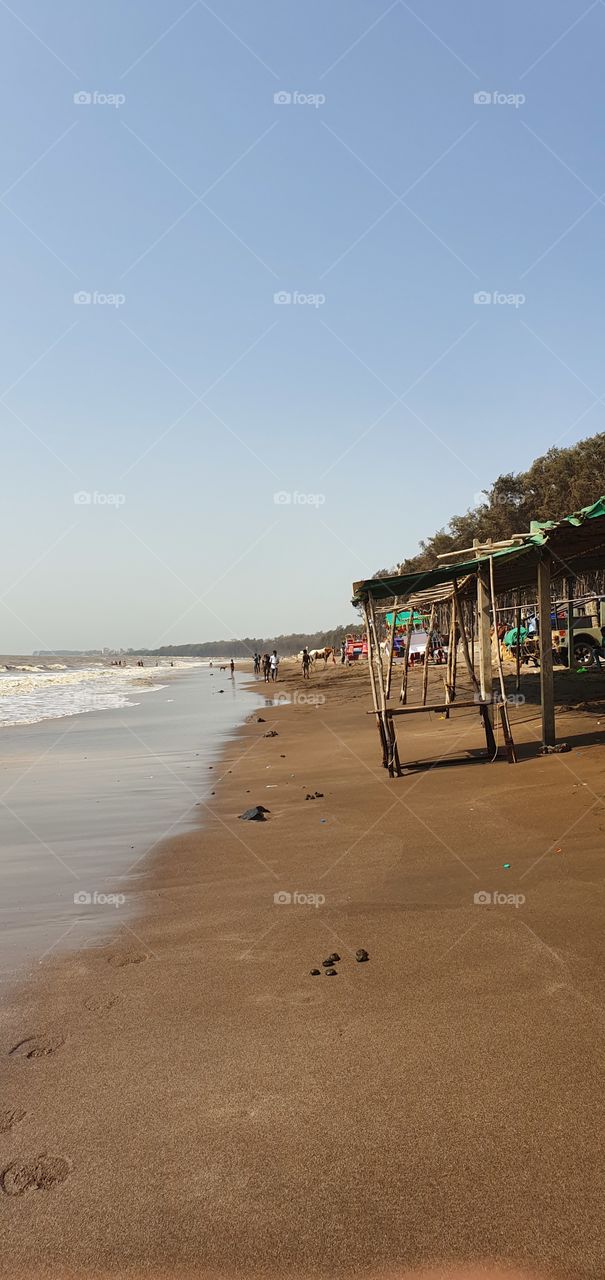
(570,590)
(485,642)
(547,690)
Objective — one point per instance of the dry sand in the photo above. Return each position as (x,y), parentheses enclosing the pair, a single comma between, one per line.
(195,1103)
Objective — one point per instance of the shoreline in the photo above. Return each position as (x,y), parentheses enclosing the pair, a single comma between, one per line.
(271,1123)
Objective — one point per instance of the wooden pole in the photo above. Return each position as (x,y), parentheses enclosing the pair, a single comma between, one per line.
(406,661)
(508,737)
(387,691)
(463,638)
(425,673)
(389,744)
(518,653)
(472,610)
(454,651)
(485,644)
(547,688)
(373,685)
(570,586)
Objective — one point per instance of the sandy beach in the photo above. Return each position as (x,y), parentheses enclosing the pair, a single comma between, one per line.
(187,1100)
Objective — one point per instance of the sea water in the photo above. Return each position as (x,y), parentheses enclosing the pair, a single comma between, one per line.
(85,798)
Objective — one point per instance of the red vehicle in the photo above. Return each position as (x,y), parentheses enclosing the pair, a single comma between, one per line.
(356,647)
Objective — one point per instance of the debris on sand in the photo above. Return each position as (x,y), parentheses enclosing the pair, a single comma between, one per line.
(315,795)
(560,748)
(331,973)
(361,956)
(260,720)
(256,814)
(271,733)
(315,973)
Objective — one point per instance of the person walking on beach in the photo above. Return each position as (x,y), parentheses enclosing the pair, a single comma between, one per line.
(266,667)
(274,664)
(232,665)
(306,663)
(343,652)
(257,664)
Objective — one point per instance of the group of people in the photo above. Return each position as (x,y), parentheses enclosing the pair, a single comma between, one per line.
(268,664)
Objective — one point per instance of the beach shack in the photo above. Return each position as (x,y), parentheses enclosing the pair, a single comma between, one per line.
(465,588)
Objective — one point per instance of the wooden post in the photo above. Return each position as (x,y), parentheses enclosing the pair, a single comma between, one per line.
(463,640)
(388,732)
(425,673)
(472,609)
(387,691)
(547,690)
(508,737)
(570,586)
(485,644)
(403,696)
(373,685)
(518,647)
(454,668)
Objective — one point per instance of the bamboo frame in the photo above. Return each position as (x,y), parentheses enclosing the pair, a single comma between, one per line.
(508,737)
(387,691)
(463,638)
(372,672)
(403,694)
(425,673)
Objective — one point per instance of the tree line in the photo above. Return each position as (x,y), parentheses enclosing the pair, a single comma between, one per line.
(245,647)
(554,486)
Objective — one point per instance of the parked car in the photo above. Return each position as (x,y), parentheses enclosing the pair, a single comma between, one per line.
(586,638)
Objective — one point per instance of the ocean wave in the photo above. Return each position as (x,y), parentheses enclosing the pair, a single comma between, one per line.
(34,695)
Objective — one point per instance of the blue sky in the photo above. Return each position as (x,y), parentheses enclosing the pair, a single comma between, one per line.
(179,197)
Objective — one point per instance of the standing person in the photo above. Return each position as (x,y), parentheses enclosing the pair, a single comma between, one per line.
(274,664)
(343,652)
(257,664)
(306,663)
(266,667)
(232,666)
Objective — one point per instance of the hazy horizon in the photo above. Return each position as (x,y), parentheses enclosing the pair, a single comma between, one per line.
(284,290)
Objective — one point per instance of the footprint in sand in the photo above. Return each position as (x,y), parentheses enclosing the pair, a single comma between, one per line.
(10,1117)
(100,1004)
(38,1174)
(123,958)
(38,1046)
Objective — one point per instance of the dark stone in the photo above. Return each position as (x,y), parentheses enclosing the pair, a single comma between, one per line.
(315,973)
(331,973)
(256,814)
(361,955)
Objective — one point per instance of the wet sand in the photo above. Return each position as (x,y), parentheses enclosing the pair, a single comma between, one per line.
(83,798)
(193,1102)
